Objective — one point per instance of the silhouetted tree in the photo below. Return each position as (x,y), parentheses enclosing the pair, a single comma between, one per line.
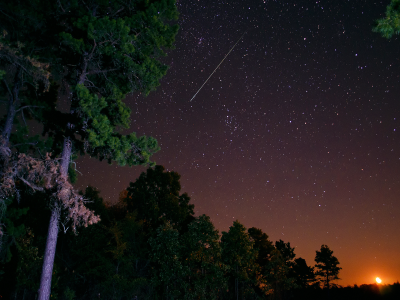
(280,267)
(102,50)
(155,196)
(303,274)
(264,248)
(327,265)
(239,255)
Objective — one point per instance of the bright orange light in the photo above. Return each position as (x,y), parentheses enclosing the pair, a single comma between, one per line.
(378,280)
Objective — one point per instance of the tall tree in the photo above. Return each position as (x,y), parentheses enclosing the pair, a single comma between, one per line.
(390,25)
(108,50)
(280,274)
(265,249)
(102,51)
(326,265)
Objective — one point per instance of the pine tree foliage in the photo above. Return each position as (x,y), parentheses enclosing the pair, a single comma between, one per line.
(110,49)
(390,25)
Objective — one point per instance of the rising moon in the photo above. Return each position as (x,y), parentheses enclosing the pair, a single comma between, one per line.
(378,280)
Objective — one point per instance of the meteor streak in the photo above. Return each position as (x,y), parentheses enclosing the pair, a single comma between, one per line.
(217,67)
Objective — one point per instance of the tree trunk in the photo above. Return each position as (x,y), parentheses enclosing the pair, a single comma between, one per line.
(327,281)
(12,104)
(9,121)
(48,262)
(51,243)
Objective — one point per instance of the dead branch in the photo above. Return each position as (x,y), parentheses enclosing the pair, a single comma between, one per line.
(44,175)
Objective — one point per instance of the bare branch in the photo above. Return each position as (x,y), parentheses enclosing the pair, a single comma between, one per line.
(28,106)
(16,145)
(30,184)
(8,88)
(23,118)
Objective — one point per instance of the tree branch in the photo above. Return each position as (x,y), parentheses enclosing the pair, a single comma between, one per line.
(8,88)
(28,106)
(23,118)
(31,185)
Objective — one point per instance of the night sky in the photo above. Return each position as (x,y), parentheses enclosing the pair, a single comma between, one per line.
(296,133)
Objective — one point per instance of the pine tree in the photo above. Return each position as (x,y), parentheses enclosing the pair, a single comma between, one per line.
(109,49)
(100,51)
(390,25)
(326,265)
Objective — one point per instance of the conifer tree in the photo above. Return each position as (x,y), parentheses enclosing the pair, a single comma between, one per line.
(100,51)
(326,265)
(109,49)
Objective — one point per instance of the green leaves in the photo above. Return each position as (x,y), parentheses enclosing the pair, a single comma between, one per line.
(202,253)
(168,271)
(390,25)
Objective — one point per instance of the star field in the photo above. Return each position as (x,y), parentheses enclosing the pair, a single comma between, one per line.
(296,133)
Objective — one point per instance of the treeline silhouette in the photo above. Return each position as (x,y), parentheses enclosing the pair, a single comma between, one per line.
(150,245)
(364,292)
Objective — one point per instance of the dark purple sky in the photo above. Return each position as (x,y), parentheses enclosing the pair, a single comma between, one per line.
(296,133)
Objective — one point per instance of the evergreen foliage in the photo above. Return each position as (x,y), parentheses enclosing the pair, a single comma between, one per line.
(390,25)
(100,51)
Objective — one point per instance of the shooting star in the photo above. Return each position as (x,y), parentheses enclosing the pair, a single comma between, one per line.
(217,66)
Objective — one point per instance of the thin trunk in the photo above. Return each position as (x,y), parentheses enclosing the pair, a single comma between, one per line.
(48,262)
(13,101)
(51,243)
(327,281)
(9,121)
